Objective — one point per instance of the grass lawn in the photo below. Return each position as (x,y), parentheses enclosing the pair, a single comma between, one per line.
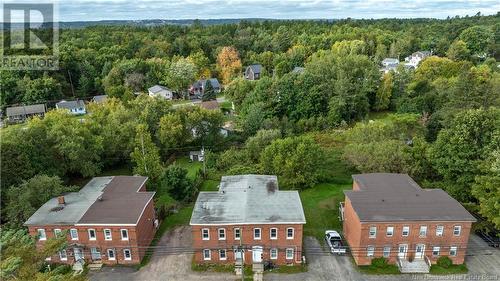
(289,269)
(369,269)
(210,185)
(192,167)
(453,269)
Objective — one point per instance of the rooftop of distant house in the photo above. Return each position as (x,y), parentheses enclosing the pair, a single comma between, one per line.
(158,88)
(25,109)
(71,104)
(256,68)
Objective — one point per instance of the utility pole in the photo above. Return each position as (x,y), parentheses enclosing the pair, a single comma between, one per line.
(204,161)
(143,154)
(71,82)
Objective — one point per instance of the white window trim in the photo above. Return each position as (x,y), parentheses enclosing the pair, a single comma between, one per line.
(441,233)
(388,252)
(57,231)
(110,237)
(260,233)
(65,254)
(239,230)
(424,227)
(387,231)
(286,253)
(39,231)
(125,256)
(271,233)
(271,254)
(95,234)
(403,231)
(370,249)
(114,254)
(456,251)
(374,235)
(223,232)
(209,254)
(438,251)
(71,234)
(225,255)
(459,230)
(203,236)
(293,233)
(121,234)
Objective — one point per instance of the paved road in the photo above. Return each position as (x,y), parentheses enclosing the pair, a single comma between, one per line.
(483,263)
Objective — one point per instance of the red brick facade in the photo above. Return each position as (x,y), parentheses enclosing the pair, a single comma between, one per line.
(279,245)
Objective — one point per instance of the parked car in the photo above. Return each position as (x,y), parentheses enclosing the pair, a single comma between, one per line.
(334,241)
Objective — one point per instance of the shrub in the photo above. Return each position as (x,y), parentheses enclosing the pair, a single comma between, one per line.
(379,262)
(444,262)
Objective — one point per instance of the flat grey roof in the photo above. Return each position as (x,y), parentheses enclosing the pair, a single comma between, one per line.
(248,199)
(386,197)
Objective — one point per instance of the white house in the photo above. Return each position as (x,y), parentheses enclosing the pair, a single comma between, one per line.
(161,91)
(75,107)
(416,58)
(389,64)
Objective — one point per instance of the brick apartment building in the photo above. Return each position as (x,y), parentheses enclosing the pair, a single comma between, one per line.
(110,221)
(390,215)
(248,210)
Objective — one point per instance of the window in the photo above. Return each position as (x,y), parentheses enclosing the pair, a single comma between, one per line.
(373,232)
(205,234)
(435,251)
(289,253)
(453,251)
(406,230)
(289,233)
(390,231)
(63,255)
(256,233)
(456,230)
(124,233)
(222,234)
(222,255)
(127,255)
(107,234)
(237,234)
(439,230)
(41,234)
(370,250)
(274,254)
(423,231)
(57,232)
(206,255)
(387,251)
(74,234)
(92,235)
(111,255)
(274,233)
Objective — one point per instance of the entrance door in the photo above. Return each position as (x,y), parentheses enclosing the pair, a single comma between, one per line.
(257,254)
(419,251)
(78,254)
(95,253)
(402,250)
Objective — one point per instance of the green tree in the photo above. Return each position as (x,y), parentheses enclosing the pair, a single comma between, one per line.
(180,75)
(40,90)
(478,39)
(384,93)
(145,156)
(486,188)
(172,132)
(256,144)
(178,184)
(458,51)
(209,93)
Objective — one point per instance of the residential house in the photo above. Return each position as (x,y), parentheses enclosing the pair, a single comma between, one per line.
(210,105)
(253,72)
(75,107)
(389,64)
(100,99)
(248,220)
(390,215)
(161,91)
(197,155)
(111,220)
(414,59)
(198,87)
(21,113)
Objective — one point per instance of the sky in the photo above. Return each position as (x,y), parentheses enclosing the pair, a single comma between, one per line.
(93,10)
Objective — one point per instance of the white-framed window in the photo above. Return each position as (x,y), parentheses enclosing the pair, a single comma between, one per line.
(257,233)
(290,232)
(41,234)
(222,255)
(107,234)
(222,234)
(370,250)
(273,233)
(205,234)
(406,230)
(456,230)
(373,232)
(423,231)
(273,254)
(453,251)
(439,230)
(111,255)
(92,234)
(74,234)
(237,234)
(387,251)
(207,254)
(127,255)
(435,250)
(124,234)
(289,253)
(57,232)
(63,256)
(390,231)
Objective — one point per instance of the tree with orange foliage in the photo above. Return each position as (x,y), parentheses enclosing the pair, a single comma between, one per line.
(228,64)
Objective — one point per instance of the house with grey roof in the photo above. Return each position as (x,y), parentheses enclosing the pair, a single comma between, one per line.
(253,72)
(161,91)
(414,59)
(389,64)
(21,113)
(75,107)
(198,87)
(100,98)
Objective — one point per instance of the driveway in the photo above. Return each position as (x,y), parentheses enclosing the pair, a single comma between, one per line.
(483,263)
